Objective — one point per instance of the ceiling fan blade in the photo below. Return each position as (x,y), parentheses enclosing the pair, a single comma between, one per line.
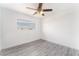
(31,8)
(45,10)
(34,13)
(40,5)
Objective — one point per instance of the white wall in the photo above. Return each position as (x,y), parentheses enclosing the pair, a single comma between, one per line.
(0,29)
(76,27)
(63,27)
(12,36)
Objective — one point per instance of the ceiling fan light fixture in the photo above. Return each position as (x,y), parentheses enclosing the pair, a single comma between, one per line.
(40,13)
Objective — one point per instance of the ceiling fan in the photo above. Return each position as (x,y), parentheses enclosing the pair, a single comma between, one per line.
(39,10)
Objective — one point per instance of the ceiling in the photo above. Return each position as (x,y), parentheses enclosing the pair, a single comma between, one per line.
(21,7)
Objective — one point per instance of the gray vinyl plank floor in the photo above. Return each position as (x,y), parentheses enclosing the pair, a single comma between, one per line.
(40,48)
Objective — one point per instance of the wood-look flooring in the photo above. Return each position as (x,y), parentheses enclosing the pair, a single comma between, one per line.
(40,48)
